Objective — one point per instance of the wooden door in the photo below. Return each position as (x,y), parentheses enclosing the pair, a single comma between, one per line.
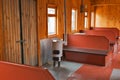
(29,29)
(11,31)
(19,29)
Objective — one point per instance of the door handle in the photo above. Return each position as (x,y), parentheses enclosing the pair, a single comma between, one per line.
(20,41)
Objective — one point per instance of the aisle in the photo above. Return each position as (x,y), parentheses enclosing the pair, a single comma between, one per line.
(92,72)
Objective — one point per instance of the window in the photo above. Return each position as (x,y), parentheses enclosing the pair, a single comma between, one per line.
(92,19)
(86,20)
(52,21)
(74,20)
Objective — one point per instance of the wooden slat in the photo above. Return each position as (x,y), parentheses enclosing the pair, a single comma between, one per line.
(33,31)
(1,33)
(6,30)
(15,32)
(17,26)
(10,32)
(25,19)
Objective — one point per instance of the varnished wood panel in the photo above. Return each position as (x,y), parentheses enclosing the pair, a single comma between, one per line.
(11,31)
(29,26)
(41,18)
(1,33)
(68,16)
(108,16)
(107,13)
(60,8)
(106,1)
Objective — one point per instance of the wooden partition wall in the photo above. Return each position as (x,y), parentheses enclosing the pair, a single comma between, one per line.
(19,31)
(11,31)
(107,13)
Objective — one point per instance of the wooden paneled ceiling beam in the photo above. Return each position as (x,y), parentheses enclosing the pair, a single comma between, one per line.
(105,4)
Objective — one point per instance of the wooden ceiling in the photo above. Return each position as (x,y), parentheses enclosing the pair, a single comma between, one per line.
(106,1)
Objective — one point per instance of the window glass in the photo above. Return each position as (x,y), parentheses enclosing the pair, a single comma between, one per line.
(51,11)
(86,20)
(51,25)
(92,19)
(85,25)
(74,20)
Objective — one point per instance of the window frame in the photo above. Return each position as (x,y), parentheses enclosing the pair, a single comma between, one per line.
(86,17)
(92,19)
(52,15)
(76,20)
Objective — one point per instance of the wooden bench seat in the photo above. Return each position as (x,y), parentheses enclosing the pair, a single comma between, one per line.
(109,33)
(88,56)
(88,49)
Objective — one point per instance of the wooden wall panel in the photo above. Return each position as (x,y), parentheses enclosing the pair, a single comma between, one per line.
(81,16)
(87,5)
(1,33)
(52,1)
(107,13)
(11,31)
(42,18)
(60,16)
(106,2)
(42,23)
(29,26)
(68,15)
(108,16)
